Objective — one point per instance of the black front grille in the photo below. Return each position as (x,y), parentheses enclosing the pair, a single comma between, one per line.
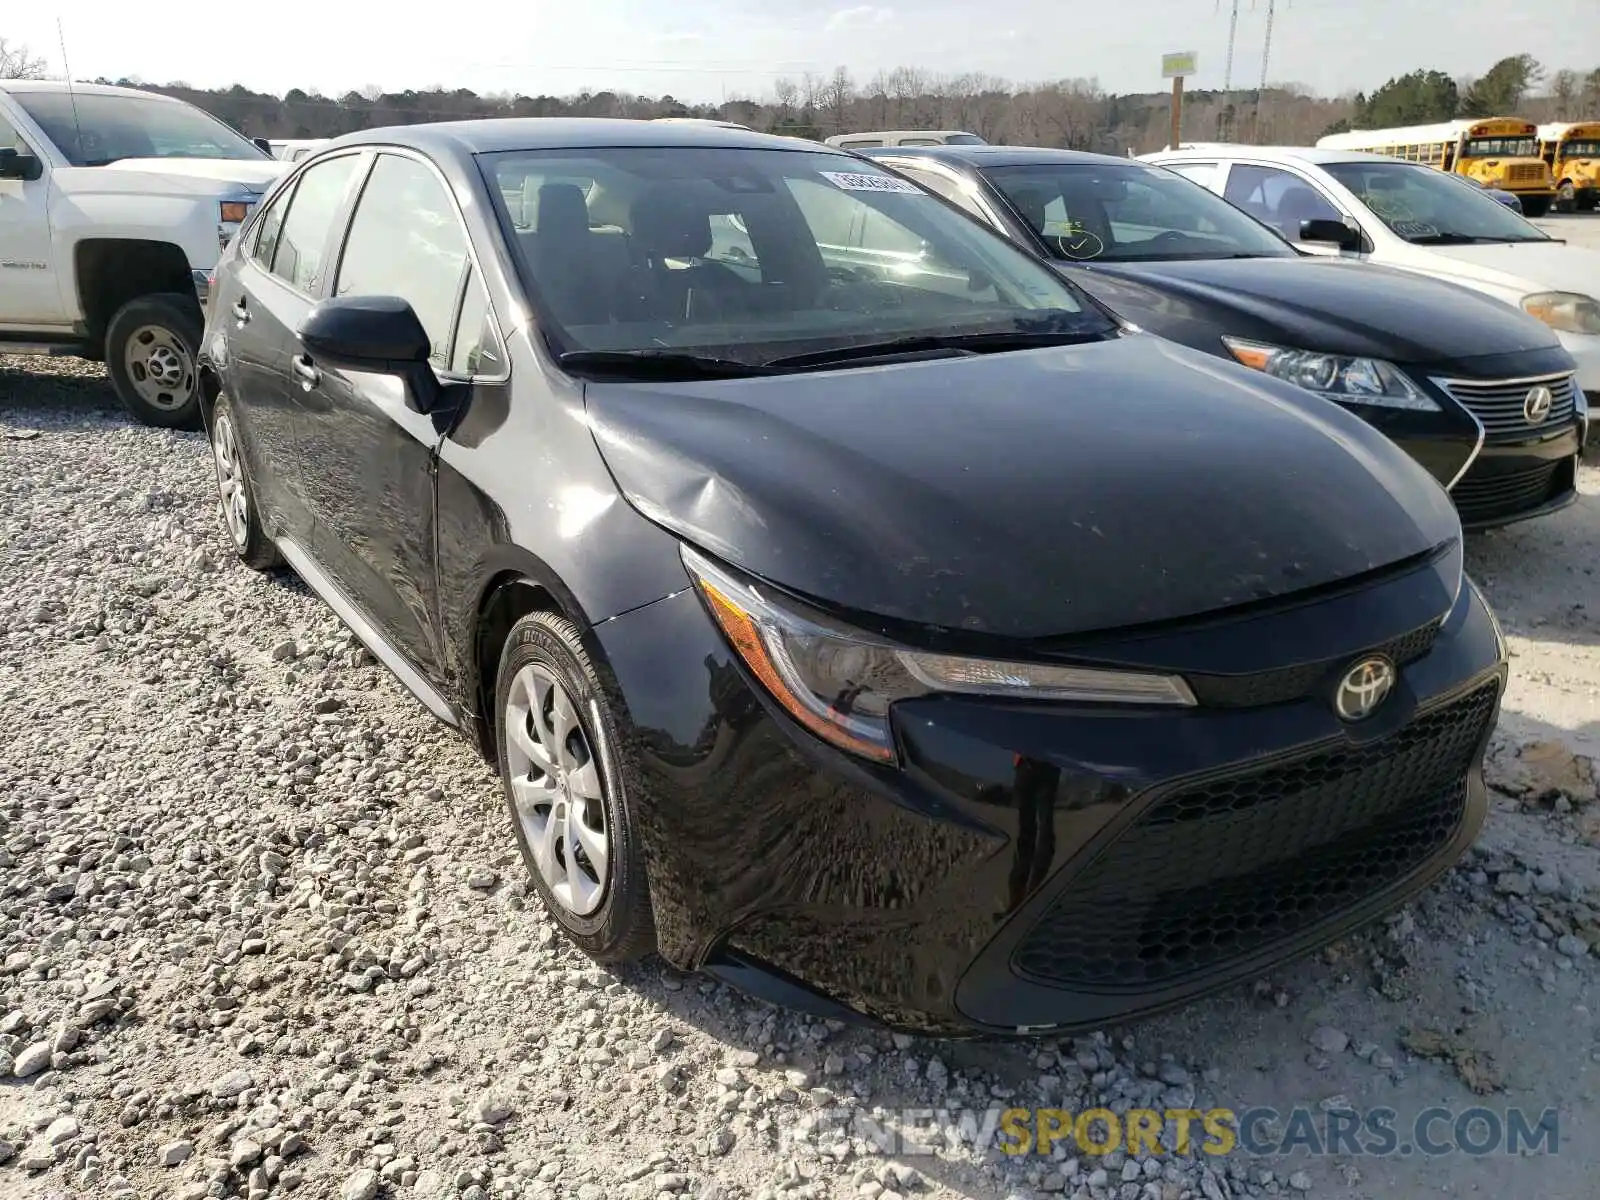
(1498,405)
(1232,865)
(1482,496)
(1295,683)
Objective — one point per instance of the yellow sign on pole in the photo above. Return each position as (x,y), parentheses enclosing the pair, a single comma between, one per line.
(1175,66)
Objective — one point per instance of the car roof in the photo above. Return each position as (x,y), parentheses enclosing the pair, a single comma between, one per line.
(566,133)
(994,156)
(20,86)
(1307,154)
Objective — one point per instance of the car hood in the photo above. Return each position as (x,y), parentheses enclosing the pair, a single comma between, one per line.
(1522,267)
(211,176)
(1025,495)
(1330,304)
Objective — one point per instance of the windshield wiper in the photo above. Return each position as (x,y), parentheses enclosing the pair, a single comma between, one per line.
(949,343)
(658,364)
(1463,239)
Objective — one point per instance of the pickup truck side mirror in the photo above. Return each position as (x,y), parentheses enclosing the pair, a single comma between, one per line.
(378,334)
(16,165)
(1323,229)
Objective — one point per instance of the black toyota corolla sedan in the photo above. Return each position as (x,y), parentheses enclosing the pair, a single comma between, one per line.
(1483,396)
(854,609)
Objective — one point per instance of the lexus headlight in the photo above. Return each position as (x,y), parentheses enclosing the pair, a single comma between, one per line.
(839,682)
(1569,312)
(1358,380)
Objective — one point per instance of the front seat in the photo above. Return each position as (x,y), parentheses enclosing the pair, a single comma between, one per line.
(671,222)
(564,262)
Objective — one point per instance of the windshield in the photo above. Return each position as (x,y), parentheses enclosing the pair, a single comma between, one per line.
(115,127)
(1423,205)
(1523,147)
(1108,212)
(1584,149)
(754,255)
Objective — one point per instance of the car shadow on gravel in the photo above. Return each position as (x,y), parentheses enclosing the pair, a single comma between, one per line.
(1540,577)
(58,398)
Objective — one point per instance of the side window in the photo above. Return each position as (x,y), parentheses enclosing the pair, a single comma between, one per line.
(1279,198)
(861,144)
(406,240)
(1203,173)
(303,238)
(940,185)
(269,227)
(916,141)
(476,348)
(10,139)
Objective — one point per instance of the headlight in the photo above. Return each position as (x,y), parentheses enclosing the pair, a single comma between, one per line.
(839,682)
(1570,312)
(1358,380)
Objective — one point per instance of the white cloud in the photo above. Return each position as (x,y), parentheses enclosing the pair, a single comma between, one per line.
(863,16)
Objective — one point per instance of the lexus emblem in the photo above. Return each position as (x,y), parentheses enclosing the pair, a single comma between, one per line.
(1364,687)
(1536,405)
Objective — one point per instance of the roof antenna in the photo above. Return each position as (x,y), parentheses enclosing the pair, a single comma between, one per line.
(77,127)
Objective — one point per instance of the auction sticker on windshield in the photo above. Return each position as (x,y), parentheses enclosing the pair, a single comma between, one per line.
(869,183)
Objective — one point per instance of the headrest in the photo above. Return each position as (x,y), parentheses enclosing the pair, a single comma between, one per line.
(671,222)
(562,210)
(1031,203)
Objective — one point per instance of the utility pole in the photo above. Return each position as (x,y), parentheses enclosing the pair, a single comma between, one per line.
(1227,71)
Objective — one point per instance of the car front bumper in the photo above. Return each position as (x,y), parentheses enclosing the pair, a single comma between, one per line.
(1045,867)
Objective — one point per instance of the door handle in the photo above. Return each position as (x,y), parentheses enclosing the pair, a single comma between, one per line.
(241,311)
(305,371)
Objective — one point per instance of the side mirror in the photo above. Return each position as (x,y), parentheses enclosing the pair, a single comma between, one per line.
(378,334)
(16,165)
(1322,229)
(262,145)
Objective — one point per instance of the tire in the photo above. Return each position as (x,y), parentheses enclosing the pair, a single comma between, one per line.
(605,912)
(1587,201)
(152,346)
(1566,198)
(1535,206)
(236,495)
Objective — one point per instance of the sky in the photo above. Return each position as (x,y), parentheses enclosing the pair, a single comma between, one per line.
(709,50)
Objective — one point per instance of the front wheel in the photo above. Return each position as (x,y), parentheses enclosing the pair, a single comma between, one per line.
(1566,198)
(566,791)
(152,345)
(1535,206)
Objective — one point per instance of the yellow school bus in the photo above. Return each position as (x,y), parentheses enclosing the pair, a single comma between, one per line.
(1572,150)
(1499,152)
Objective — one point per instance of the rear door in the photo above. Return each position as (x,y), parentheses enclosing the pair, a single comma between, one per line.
(372,456)
(260,306)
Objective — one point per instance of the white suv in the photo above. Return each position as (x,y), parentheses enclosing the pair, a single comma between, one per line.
(1413,217)
(115,205)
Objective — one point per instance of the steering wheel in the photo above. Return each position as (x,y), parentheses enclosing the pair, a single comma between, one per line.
(844,275)
(1171,235)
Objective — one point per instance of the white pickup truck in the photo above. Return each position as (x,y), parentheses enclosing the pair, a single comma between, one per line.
(114,207)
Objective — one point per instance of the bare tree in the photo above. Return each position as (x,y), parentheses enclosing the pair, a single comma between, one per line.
(17,63)
(1565,87)
(838,93)
(785,92)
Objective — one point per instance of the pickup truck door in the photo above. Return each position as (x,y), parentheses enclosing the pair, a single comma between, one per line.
(30,293)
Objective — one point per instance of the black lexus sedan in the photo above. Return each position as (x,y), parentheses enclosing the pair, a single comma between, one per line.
(1483,396)
(853,608)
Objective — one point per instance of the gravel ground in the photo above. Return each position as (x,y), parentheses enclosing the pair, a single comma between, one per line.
(263,930)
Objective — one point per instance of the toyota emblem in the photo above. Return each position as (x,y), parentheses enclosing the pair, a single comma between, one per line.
(1536,405)
(1364,687)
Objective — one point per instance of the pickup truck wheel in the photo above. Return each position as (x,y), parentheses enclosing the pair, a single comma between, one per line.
(151,347)
(241,518)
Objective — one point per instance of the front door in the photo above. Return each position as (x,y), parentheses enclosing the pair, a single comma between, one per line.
(373,457)
(30,291)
